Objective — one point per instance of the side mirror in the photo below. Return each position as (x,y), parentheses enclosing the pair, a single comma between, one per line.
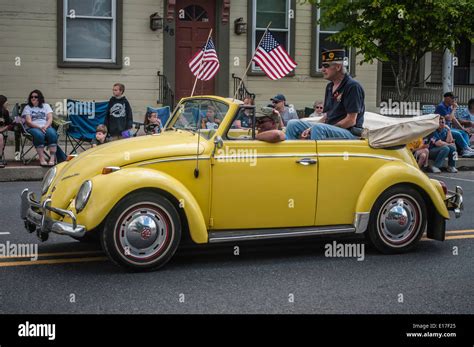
(219,142)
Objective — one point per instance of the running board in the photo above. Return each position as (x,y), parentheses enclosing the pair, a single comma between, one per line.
(262,234)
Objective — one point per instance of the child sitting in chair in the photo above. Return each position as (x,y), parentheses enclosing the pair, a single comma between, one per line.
(152,123)
(100,136)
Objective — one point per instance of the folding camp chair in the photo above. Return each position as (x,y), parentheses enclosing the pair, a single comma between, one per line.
(3,162)
(81,127)
(26,140)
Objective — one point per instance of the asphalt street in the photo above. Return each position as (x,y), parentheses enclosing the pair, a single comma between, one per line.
(274,277)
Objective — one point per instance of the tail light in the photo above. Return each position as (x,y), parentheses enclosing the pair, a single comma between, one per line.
(445,187)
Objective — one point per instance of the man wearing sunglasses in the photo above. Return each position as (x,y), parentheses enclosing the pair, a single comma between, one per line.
(318,108)
(343,104)
(266,124)
(286,113)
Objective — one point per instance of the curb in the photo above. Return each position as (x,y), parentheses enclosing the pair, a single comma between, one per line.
(22,173)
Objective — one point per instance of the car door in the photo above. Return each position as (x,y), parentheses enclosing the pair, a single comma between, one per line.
(263,185)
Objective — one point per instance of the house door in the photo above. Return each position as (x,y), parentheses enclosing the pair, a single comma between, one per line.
(194,20)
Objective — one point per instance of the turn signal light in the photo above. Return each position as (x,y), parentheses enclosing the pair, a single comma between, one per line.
(71,157)
(445,187)
(109,169)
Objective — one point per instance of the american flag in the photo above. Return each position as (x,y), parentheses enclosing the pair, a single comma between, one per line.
(205,63)
(273,58)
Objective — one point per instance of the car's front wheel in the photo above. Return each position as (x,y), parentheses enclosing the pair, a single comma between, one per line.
(398,220)
(142,232)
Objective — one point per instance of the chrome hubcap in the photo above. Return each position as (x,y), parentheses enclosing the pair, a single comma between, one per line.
(143,232)
(399,220)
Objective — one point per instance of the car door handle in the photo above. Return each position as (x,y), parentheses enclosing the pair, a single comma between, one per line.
(307,161)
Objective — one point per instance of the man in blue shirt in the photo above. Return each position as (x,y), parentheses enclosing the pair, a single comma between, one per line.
(442,147)
(343,104)
(447,109)
(467,117)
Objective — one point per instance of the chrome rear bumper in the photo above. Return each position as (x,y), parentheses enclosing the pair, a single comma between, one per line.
(454,201)
(37,217)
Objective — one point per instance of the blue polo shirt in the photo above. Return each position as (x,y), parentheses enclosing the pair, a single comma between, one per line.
(443,110)
(466,115)
(438,135)
(348,98)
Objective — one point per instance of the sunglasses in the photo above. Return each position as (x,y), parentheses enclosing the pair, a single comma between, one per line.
(264,120)
(326,65)
(319,107)
(34,97)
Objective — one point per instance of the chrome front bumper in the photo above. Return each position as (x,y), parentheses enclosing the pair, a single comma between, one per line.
(454,201)
(37,217)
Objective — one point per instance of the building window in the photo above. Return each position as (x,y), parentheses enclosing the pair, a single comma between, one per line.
(282,15)
(90,33)
(321,42)
(464,71)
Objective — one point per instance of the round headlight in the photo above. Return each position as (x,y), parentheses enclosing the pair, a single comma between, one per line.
(83,195)
(48,179)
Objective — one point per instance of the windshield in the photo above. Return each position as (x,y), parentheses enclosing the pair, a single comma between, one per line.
(200,114)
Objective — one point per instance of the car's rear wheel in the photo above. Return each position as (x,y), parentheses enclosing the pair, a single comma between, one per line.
(142,232)
(397,220)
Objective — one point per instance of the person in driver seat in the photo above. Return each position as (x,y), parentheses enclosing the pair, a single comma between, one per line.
(266,125)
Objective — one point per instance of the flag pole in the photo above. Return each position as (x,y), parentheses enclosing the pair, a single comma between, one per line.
(200,67)
(251,60)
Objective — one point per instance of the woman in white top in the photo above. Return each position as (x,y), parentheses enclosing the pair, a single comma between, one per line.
(38,117)
(318,107)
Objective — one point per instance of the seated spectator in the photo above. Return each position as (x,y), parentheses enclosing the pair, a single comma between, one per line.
(318,109)
(421,152)
(244,120)
(210,121)
(286,113)
(152,123)
(442,147)
(38,117)
(447,109)
(267,126)
(100,136)
(467,117)
(5,125)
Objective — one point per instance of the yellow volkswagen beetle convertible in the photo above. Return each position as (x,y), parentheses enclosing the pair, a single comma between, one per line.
(207,179)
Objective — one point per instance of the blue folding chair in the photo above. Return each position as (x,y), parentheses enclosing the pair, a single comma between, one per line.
(82,126)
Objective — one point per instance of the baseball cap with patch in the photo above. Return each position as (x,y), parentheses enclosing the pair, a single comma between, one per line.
(266,112)
(334,56)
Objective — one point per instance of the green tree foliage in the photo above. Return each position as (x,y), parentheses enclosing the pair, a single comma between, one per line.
(399,32)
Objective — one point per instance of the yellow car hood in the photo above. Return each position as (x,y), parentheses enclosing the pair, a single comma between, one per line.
(120,153)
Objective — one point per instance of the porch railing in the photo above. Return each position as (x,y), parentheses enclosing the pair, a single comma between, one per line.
(242,91)
(431,94)
(165,92)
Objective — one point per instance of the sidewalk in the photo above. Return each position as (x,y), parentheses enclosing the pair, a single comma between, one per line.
(16,171)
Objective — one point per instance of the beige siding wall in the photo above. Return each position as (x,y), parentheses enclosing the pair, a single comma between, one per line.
(302,89)
(28,31)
